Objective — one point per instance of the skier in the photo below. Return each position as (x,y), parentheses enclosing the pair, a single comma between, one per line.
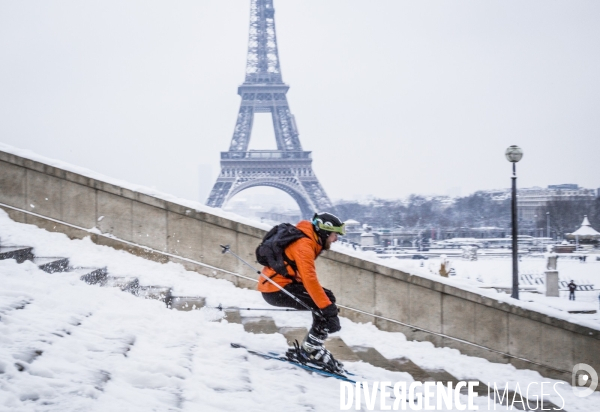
(303,283)
(572,286)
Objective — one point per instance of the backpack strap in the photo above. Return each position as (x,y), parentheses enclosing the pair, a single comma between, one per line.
(292,264)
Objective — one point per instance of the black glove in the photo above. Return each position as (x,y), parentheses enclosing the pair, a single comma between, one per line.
(331,322)
(330,311)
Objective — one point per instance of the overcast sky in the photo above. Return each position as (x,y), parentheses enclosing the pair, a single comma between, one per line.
(393,97)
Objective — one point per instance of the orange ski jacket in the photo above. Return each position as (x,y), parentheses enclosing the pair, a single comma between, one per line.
(303,252)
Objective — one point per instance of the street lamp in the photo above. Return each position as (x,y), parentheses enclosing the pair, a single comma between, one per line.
(514,154)
(548,224)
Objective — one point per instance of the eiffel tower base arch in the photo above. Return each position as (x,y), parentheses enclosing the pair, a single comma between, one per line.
(306,207)
(290,172)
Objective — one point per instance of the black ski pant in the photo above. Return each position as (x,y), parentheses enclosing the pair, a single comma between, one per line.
(281,299)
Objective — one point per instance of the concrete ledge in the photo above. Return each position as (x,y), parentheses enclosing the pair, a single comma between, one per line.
(459,293)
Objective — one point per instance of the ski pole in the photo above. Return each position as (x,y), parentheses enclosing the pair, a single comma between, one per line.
(226,249)
(270,309)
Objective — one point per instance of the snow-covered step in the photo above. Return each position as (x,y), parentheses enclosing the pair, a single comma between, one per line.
(162,293)
(293,334)
(375,358)
(233,316)
(126,284)
(340,350)
(259,325)
(31,333)
(408,366)
(10,303)
(91,276)
(440,375)
(186,303)
(52,264)
(27,355)
(20,253)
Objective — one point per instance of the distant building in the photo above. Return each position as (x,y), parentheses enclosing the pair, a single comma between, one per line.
(352,225)
(565,186)
(530,201)
(398,236)
(288,216)
(353,232)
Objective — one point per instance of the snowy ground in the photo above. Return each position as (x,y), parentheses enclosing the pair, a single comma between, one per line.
(75,347)
(489,271)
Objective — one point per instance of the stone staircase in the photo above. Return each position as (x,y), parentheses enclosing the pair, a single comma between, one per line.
(251,324)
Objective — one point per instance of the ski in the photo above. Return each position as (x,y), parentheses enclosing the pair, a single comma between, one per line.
(309,368)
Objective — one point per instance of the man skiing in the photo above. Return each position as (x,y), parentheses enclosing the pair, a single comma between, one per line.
(302,282)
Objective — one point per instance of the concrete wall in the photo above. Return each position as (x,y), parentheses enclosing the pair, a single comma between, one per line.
(165,231)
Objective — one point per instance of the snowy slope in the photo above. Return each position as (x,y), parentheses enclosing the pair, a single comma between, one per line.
(68,346)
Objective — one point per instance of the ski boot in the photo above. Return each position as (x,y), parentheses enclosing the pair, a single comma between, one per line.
(312,351)
(325,360)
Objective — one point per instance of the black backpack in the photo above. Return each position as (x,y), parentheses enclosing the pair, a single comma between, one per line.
(271,252)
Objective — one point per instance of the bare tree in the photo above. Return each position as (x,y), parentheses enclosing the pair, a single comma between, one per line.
(430,213)
(566,215)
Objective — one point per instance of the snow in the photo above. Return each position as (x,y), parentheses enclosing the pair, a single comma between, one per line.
(585,231)
(75,347)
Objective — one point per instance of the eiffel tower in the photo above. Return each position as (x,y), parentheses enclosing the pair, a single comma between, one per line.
(289,167)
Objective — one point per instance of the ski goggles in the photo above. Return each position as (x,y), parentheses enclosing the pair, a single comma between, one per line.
(327,226)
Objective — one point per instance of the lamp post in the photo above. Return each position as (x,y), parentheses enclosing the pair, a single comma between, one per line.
(514,154)
(548,224)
